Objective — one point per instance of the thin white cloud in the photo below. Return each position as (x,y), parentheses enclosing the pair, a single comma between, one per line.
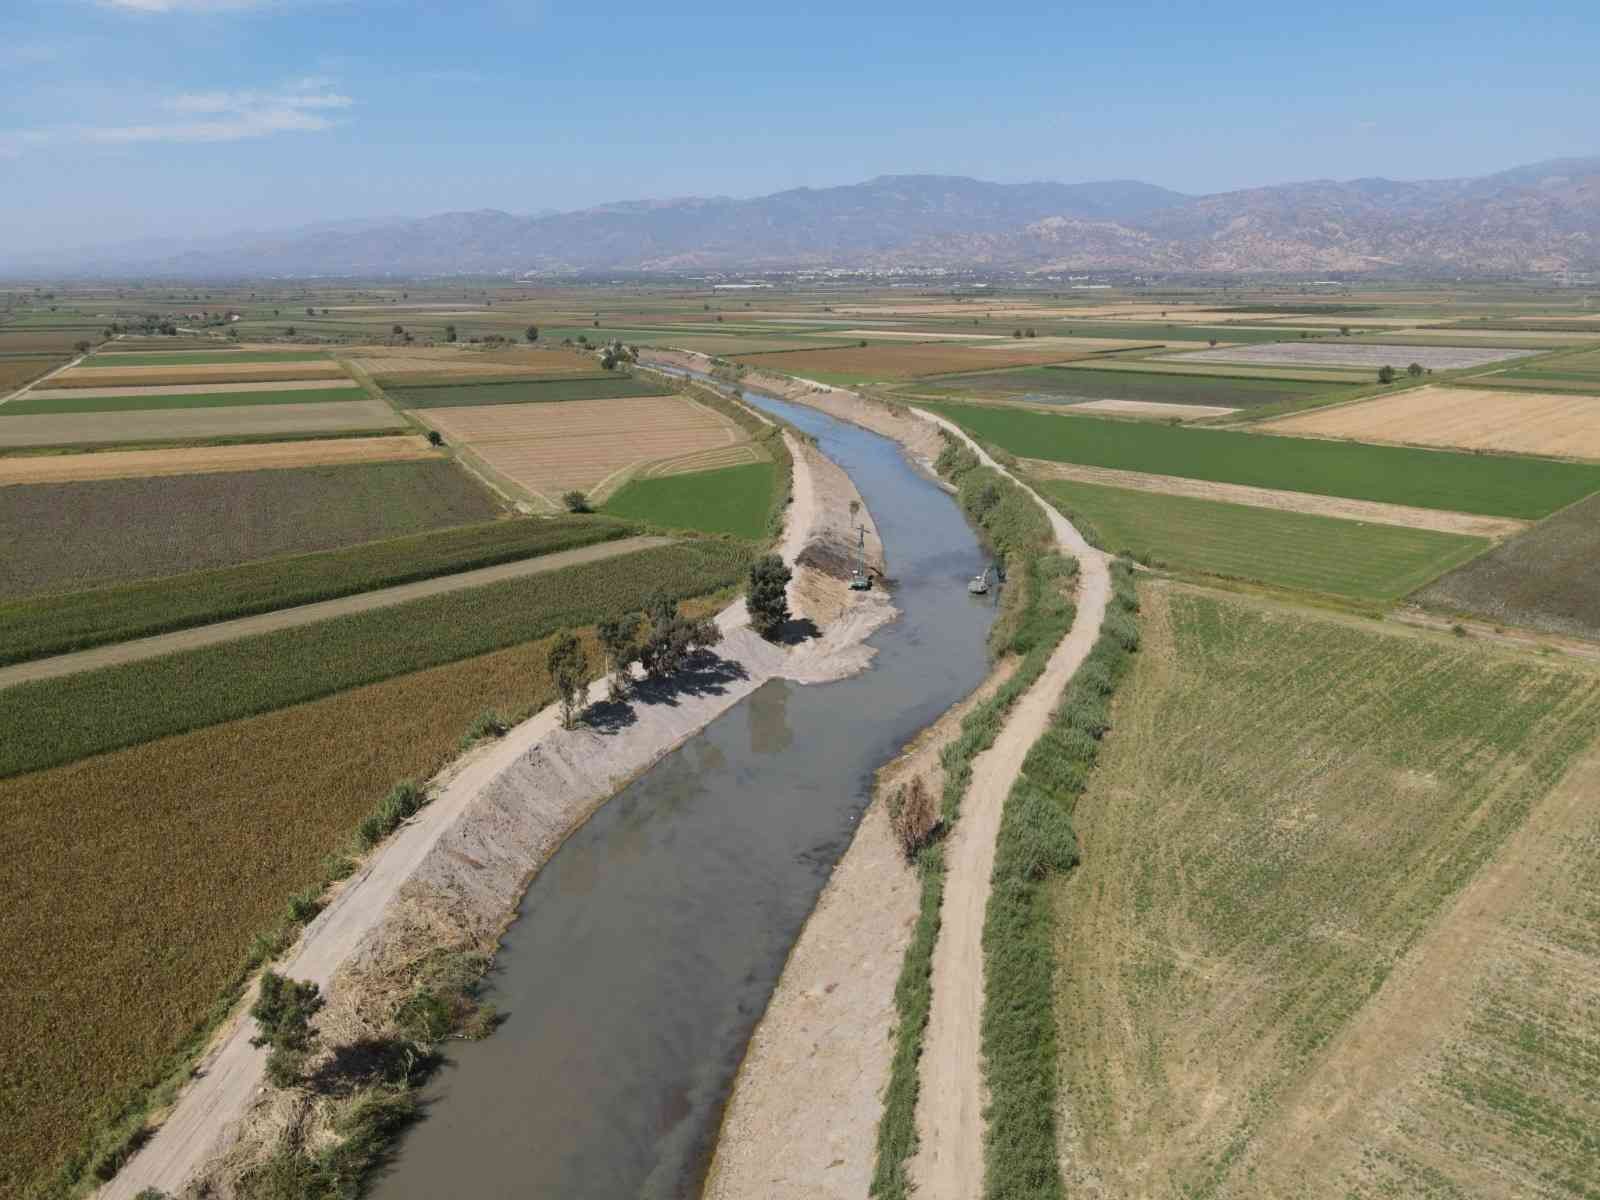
(303,106)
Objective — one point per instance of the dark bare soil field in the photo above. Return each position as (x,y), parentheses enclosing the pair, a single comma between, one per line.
(69,536)
(1547,578)
(14,372)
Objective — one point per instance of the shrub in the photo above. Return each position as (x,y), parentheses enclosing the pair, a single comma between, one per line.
(914,817)
(487,724)
(767,596)
(576,501)
(569,668)
(304,906)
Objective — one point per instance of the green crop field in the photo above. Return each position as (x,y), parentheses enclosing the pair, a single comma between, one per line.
(521,391)
(61,623)
(1265,545)
(1547,578)
(55,721)
(1068,385)
(1493,485)
(69,536)
(733,500)
(1332,934)
(201,357)
(66,401)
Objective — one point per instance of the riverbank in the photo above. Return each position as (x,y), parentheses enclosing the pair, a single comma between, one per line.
(450,878)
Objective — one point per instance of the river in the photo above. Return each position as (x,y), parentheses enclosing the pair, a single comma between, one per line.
(646,950)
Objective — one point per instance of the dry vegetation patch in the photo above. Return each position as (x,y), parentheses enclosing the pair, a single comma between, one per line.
(1238,909)
(1520,422)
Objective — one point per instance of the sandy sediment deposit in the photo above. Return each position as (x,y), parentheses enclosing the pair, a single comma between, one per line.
(451,876)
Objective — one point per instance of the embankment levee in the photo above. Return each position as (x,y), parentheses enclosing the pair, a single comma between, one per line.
(454,873)
(802,1119)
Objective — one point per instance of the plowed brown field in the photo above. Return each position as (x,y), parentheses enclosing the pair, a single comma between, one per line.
(99,377)
(552,448)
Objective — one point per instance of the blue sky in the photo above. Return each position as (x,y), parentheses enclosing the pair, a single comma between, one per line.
(133,118)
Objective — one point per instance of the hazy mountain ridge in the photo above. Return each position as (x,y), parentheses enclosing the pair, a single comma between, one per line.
(1542,217)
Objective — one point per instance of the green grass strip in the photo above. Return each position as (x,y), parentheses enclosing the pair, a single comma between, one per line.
(64,401)
(1041,621)
(1491,484)
(42,626)
(56,721)
(1036,841)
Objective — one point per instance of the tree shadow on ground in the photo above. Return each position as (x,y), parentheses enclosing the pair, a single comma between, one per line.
(705,673)
(796,630)
(369,1061)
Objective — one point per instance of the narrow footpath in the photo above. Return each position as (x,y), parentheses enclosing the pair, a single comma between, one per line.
(950,1126)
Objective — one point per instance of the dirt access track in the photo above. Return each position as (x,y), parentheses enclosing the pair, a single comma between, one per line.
(493,819)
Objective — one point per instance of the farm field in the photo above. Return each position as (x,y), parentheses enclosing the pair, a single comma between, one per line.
(198,424)
(1523,339)
(1292,550)
(394,363)
(148,376)
(139,464)
(732,500)
(208,868)
(202,357)
(581,444)
(75,401)
(1398,354)
(1338,948)
(1176,365)
(191,389)
(1547,578)
(70,536)
(900,361)
(14,372)
(1524,488)
(1165,331)
(57,624)
(1466,418)
(531,391)
(1073,385)
(55,721)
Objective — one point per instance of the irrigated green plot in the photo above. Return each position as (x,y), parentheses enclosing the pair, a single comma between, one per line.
(1068,385)
(68,401)
(734,500)
(1493,485)
(200,357)
(522,391)
(1265,545)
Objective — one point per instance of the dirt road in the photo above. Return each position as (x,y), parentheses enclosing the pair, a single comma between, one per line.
(950,1125)
(304,614)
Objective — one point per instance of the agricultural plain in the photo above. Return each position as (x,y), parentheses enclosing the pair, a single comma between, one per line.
(1075,385)
(1297,551)
(70,536)
(193,460)
(902,361)
(1239,947)
(193,423)
(1464,418)
(1353,354)
(733,500)
(525,391)
(1524,488)
(1547,578)
(92,400)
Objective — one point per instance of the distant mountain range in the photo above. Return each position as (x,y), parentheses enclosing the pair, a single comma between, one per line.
(1539,218)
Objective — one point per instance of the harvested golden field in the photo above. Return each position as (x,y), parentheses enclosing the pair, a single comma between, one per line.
(99,377)
(1522,422)
(175,854)
(197,424)
(590,445)
(904,362)
(1367,968)
(197,460)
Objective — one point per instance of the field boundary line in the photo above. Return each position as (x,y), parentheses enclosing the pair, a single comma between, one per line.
(139,649)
